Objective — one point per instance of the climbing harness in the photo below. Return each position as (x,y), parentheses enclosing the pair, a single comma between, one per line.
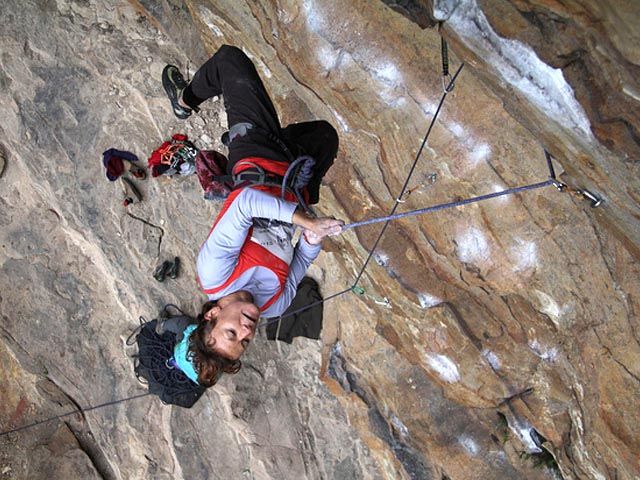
(296,177)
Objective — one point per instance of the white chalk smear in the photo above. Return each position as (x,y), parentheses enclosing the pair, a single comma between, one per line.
(525,253)
(492,358)
(314,20)
(472,246)
(258,62)
(428,109)
(427,300)
(469,444)
(545,353)
(518,65)
(444,367)
(524,432)
(400,427)
(210,21)
(284,16)
(327,57)
(550,307)
(341,121)
(479,153)
(387,73)
(497,187)
(456,129)
(381,259)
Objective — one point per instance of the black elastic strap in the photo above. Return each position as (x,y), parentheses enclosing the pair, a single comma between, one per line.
(445,57)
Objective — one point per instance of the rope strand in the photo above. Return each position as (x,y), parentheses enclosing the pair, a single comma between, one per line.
(444,206)
(415,162)
(81,410)
(271,321)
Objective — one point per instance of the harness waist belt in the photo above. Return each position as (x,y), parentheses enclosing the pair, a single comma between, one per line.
(256,177)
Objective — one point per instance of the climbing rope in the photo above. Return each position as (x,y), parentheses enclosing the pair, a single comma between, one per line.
(444,206)
(78,410)
(301,170)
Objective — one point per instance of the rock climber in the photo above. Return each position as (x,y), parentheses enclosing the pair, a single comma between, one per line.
(248,266)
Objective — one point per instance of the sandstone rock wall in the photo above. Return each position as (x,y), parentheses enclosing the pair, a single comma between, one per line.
(497,340)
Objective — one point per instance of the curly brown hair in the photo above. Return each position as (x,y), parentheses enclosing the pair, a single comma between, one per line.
(208,363)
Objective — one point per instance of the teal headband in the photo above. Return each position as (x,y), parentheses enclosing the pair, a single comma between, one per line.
(182,357)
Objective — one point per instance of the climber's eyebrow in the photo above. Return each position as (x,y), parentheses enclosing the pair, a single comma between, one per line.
(255,320)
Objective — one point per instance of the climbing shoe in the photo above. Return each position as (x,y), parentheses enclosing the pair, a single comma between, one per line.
(160,273)
(174,269)
(174,84)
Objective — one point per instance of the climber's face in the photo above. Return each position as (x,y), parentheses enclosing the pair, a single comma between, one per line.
(235,326)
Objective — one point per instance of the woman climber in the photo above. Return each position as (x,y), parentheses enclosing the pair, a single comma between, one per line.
(248,266)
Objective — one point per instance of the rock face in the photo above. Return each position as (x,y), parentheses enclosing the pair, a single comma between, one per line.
(496,340)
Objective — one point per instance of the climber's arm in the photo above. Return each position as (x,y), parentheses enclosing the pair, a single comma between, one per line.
(219,253)
(304,255)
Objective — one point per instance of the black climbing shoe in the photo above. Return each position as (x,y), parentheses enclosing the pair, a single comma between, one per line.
(161,270)
(174,83)
(174,270)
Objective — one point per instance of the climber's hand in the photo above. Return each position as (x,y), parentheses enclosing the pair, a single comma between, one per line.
(332,228)
(321,227)
(311,237)
(317,228)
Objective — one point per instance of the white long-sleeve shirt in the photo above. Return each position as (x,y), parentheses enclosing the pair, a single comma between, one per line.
(219,254)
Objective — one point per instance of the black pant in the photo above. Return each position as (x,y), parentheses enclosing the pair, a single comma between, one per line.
(231,73)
